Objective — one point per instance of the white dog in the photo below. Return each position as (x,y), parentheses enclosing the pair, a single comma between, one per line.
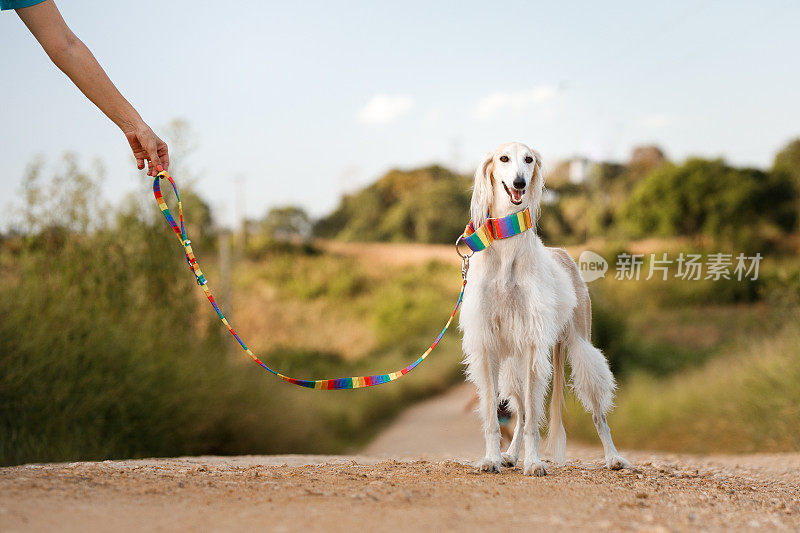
(523,302)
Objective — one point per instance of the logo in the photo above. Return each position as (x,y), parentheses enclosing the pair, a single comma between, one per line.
(592,266)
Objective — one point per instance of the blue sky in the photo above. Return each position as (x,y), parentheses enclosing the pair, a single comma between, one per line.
(306,100)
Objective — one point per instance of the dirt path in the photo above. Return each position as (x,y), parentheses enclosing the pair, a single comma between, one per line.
(415,476)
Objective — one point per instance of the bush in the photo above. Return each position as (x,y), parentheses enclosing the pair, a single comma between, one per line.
(424,205)
(710,198)
(103,354)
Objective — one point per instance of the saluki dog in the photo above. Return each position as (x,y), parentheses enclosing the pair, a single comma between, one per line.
(525,301)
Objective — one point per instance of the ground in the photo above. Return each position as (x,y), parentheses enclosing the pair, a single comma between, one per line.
(417,475)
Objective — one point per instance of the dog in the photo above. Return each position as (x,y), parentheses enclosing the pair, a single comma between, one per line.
(523,302)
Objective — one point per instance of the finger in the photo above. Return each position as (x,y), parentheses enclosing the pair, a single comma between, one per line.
(154,159)
(165,158)
(139,163)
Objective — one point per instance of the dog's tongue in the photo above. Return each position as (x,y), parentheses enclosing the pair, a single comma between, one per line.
(516,195)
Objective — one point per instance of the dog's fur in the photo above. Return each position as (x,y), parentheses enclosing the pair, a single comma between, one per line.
(523,302)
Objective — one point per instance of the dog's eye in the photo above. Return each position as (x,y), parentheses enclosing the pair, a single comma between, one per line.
(504,158)
(529,160)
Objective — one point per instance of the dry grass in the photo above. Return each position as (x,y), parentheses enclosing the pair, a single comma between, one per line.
(747,400)
(270,320)
(392,255)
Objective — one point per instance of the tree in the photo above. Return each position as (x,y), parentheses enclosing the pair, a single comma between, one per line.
(645,158)
(711,198)
(787,166)
(286,223)
(428,204)
(787,161)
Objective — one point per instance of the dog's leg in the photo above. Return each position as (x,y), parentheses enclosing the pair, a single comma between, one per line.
(487,391)
(511,455)
(594,384)
(556,441)
(614,460)
(536,378)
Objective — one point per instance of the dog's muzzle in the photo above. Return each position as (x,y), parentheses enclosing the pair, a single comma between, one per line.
(515,194)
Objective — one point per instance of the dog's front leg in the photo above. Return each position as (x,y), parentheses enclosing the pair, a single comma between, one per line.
(487,390)
(537,376)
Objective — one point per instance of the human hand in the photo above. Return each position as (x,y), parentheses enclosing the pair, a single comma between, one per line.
(146,145)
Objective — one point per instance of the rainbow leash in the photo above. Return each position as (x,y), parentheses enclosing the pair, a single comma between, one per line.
(356,382)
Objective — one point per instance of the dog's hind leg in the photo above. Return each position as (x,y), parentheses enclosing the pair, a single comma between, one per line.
(555,444)
(594,385)
(511,455)
(537,377)
(487,383)
(512,371)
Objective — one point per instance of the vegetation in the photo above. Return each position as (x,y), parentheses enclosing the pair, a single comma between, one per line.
(745,401)
(703,197)
(424,205)
(702,366)
(105,353)
(647,196)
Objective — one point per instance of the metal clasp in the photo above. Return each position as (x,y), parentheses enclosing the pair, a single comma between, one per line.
(464,257)
(459,241)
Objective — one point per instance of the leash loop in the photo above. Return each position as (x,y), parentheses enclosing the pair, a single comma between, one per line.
(354,382)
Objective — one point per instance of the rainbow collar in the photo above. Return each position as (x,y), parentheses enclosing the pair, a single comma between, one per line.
(496,228)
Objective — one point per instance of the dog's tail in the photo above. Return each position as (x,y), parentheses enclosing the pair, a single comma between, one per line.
(555,443)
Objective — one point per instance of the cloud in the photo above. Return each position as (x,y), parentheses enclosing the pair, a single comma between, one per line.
(490,106)
(383,108)
(656,120)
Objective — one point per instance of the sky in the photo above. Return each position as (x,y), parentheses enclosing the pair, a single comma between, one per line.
(300,102)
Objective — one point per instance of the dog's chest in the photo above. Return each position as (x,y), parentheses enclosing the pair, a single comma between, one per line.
(510,296)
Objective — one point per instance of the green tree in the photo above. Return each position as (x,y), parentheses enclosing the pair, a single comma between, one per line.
(429,204)
(787,161)
(288,222)
(710,198)
(787,166)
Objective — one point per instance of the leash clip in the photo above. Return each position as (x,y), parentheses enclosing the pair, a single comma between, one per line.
(459,242)
(464,257)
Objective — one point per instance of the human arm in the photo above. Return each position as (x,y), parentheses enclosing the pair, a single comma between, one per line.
(70,55)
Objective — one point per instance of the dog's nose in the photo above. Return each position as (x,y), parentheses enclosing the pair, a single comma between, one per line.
(519,183)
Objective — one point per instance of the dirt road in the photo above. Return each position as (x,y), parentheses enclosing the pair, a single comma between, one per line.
(415,476)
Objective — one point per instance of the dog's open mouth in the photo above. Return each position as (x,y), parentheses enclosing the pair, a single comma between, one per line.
(514,194)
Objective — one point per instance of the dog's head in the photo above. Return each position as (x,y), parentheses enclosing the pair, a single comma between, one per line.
(508,180)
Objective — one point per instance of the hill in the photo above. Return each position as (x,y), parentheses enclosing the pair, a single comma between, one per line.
(428,205)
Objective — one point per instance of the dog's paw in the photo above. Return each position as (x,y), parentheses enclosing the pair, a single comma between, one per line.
(537,469)
(509,460)
(487,464)
(617,462)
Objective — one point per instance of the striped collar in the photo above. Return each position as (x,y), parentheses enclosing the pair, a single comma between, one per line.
(496,228)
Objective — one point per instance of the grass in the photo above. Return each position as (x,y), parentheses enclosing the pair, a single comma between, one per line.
(747,400)
(108,350)
(84,382)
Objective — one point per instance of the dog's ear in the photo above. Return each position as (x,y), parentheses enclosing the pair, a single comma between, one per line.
(537,158)
(482,191)
(537,185)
